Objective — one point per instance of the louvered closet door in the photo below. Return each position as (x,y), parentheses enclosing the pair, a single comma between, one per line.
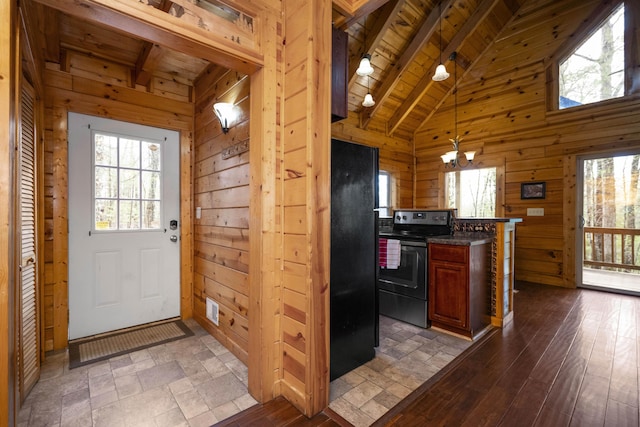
(28,340)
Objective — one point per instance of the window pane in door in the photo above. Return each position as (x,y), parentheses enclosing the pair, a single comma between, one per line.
(150,156)
(129,215)
(106,215)
(150,185)
(129,184)
(150,214)
(106,150)
(106,183)
(129,153)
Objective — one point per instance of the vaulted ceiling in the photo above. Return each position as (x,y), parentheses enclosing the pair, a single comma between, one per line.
(406,39)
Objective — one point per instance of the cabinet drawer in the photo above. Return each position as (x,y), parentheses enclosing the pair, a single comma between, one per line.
(449,253)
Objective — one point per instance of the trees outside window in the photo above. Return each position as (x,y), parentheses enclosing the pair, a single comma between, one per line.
(127,177)
(610,199)
(595,71)
(472,192)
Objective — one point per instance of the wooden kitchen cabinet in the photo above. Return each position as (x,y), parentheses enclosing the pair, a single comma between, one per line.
(459,298)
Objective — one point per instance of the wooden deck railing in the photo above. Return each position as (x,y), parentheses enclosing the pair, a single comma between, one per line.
(612,247)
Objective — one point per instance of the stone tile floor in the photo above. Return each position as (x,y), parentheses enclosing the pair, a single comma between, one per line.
(407,357)
(195,381)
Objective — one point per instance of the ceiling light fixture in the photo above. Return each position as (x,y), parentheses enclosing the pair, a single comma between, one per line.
(224,112)
(441,72)
(365,68)
(368,99)
(452,158)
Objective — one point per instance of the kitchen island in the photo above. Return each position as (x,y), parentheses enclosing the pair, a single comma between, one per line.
(497,237)
(503,233)
(459,297)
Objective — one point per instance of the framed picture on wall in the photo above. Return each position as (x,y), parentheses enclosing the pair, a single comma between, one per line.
(533,190)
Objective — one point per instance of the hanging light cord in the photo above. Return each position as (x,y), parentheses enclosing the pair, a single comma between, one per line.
(440,13)
(455,95)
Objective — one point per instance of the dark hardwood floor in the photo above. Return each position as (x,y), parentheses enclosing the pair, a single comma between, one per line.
(570,357)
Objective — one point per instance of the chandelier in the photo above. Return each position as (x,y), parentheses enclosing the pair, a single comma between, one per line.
(452,158)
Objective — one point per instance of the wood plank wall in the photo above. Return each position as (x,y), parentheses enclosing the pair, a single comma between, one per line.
(305,202)
(221,190)
(88,86)
(502,114)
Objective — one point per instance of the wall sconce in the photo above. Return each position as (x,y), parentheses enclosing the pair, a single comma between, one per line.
(224,111)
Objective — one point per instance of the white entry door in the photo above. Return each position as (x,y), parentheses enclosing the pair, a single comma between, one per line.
(124,249)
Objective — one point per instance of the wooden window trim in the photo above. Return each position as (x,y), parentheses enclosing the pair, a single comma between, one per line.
(588,27)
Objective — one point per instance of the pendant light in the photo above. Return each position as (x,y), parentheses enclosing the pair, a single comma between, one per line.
(441,72)
(368,99)
(450,158)
(365,68)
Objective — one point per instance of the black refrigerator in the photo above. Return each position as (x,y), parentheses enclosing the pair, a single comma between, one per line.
(354,256)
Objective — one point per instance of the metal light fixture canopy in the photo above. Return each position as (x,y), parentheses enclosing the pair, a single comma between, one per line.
(224,112)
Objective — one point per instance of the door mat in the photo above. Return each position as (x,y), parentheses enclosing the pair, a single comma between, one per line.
(85,351)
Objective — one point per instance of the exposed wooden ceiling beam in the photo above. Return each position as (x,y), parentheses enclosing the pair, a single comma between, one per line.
(481,12)
(348,19)
(142,76)
(147,23)
(468,68)
(379,28)
(413,49)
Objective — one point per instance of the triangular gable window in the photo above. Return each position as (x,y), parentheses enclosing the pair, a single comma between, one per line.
(595,70)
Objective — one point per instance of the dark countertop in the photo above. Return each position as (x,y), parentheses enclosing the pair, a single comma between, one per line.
(460,240)
(501,219)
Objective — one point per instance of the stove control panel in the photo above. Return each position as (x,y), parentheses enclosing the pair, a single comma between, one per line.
(424,217)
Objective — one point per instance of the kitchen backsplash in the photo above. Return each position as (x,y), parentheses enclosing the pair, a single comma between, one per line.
(465,226)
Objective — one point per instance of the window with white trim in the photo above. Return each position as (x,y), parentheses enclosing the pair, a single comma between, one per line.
(384,194)
(595,70)
(472,192)
(127,175)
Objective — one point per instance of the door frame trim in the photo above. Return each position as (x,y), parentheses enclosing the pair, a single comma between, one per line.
(577,181)
(61,110)
(81,199)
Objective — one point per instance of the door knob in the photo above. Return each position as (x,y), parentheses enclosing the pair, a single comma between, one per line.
(173,238)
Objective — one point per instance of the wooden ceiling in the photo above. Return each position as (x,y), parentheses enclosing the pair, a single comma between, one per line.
(403,38)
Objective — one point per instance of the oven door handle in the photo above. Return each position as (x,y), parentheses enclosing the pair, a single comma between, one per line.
(419,244)
(396,284)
